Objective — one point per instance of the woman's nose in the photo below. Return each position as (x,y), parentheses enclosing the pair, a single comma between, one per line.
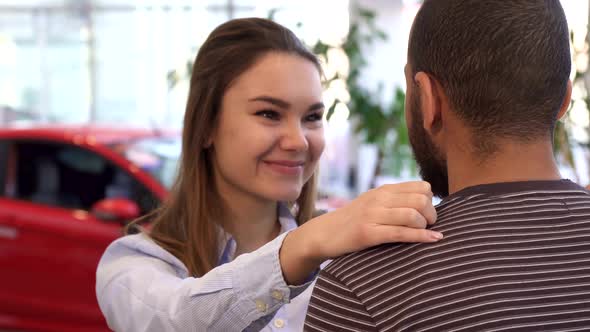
(294,138)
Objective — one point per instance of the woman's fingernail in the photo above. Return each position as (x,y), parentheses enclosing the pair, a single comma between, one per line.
(436,235)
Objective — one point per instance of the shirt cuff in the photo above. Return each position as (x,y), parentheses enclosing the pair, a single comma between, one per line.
(259,281)
(259,285)
(296,290)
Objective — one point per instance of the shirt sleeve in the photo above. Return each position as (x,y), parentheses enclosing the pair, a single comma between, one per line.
(335,307)
(139,292)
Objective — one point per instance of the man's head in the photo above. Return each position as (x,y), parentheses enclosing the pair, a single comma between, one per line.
(499,68)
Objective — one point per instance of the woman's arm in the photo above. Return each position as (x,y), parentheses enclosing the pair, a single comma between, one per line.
(390,213)
(140,287)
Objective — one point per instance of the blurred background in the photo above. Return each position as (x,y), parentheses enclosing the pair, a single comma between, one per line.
(92,94)
(125,62)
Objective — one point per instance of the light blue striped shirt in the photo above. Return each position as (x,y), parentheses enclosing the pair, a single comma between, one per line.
(142,287)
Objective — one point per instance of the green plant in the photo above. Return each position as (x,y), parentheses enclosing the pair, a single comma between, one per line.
(377,123)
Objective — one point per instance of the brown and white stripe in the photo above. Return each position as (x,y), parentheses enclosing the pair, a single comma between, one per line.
(515,257)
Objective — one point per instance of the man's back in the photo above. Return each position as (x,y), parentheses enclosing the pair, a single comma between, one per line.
(516,256)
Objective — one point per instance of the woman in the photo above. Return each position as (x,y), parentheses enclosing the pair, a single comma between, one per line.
(225,252)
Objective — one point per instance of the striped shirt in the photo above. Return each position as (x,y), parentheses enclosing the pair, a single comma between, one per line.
(515,257)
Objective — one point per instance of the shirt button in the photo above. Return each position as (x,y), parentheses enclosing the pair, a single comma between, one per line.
(277,295)
(261,306)
(279,323)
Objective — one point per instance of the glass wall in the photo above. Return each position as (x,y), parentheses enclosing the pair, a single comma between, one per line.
(107,61)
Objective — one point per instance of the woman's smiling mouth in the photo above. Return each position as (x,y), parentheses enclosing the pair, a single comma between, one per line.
(286,167)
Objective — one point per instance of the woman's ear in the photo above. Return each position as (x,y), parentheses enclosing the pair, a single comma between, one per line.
(209,138)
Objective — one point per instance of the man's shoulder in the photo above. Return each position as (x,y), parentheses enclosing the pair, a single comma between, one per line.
(374,261)
(464,219)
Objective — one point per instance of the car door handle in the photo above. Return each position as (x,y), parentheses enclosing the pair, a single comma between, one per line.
(8,232)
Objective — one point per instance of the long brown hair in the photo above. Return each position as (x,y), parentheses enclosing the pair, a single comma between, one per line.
(184,225)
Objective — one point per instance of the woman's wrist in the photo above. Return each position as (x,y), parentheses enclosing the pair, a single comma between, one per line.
(298,256)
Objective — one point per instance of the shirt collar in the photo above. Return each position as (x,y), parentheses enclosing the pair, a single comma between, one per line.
(501,188)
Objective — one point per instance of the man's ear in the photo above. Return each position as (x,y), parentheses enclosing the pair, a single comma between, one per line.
(566,101)
(430,100)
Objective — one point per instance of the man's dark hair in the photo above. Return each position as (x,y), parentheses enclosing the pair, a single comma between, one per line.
(504,64)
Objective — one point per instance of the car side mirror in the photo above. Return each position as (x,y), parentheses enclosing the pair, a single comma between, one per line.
(119,210)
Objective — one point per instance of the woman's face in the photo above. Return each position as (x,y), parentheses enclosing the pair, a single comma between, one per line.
(270,134)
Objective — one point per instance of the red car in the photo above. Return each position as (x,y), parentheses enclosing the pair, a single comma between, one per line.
(66,193)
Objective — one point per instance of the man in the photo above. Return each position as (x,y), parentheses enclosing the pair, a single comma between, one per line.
(486,83)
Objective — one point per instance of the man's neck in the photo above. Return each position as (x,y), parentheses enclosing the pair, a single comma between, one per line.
(513,162)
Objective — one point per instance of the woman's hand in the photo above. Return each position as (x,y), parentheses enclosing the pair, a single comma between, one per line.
(390,213)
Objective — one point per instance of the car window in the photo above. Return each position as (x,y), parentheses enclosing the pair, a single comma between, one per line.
(158,156)
(71,177)
(4,159)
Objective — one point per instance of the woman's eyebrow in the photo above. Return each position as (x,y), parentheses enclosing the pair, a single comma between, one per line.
(316,106)
(272,100)
(284,104)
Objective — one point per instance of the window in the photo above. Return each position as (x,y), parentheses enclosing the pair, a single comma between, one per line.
(70,177)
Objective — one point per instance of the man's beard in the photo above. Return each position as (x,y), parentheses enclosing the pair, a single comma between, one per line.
(432,165)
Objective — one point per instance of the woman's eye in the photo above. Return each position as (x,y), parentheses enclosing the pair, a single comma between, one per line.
(271,115)
(314,117)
